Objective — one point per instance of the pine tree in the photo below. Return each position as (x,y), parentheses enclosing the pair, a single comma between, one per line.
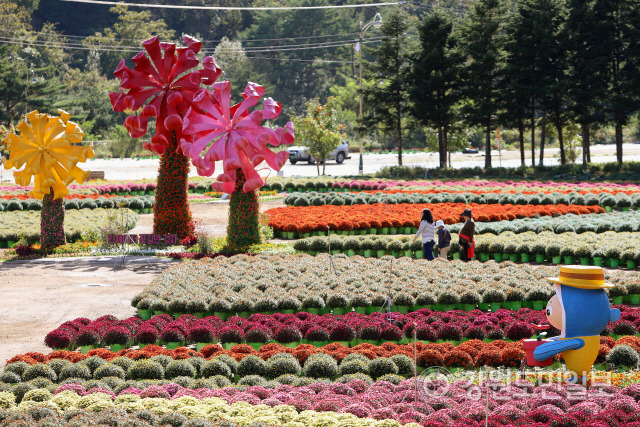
(435,77)
(485,41)
(390,98)
(587,56)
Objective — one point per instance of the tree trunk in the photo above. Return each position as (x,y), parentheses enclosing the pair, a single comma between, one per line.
(244,217)
(563,155)
(533,136)
(619,141)
(441,152)
(399,133)
(585,143)
(52,222)
(521,137)
(487,141)
(543,134)
(324,164)
(445,139)
(171,213)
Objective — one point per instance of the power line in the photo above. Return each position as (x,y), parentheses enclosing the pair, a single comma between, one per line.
(113,48)
(250,9)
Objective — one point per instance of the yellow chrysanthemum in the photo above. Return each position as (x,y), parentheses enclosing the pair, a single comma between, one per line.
(45,147)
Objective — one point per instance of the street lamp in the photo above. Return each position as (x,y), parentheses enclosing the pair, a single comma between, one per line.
(375,22)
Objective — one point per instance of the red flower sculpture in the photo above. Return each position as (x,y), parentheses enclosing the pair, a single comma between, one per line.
(235,135)
(164,79)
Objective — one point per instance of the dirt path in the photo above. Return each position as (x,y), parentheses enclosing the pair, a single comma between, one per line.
(38,295)
(214,215)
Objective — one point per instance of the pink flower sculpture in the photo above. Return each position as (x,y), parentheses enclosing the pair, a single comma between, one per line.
(234,135)
(164,79)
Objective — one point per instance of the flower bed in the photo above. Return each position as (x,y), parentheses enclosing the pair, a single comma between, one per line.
(381,217)
(620,201)
(461,403)
(142,204)
(309,328)
(610,249)
(77,221)
(307,184)
(263,284)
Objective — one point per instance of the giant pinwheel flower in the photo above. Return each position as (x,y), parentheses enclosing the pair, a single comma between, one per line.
(234,135)
(45,147)
(164,82)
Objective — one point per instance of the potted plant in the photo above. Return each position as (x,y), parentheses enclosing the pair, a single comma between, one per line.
(523,250)
(339,304)
(342,333)
(197,307)
(173,337)
(351,246)
(313,304)
(553,252)
(567,254)
(633,290)
(288,335)
(469,299)
(493,297)
(417,249)
(538,297)
(583,253)
(370,333)
(629,258)
(380,247)
(377,301)
(202,334)
(406,249)
(317,336)
(117,338)
(367,246)
(514,297)
(266,305)
(403,302)
(230,335)
(319,245)
(88,339)
(617,293)
(511,248)
(304,245)
(608,203)
(598,257)
(395,247)
(455,251)
(497,248)
(360,303)
(539,250)
(529,347)
(289,304)
(144,308)
(447,300)
(145,336)
(257,336)
(220,308)
(482,251)
(158,306)
(425,300)
(177,307)
(613,256)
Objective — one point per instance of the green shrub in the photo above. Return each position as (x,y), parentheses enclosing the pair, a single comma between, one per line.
(180,368)
(320,365)
(282,365)
(493,295)
(252,381)
(146,370)
(354,367)
(93,363)
(623,355)
(39,370)
(392,378)
(216,367)
(470,297)
(76,370)
(405,365)
(57,365)
(252,365)
(382,366)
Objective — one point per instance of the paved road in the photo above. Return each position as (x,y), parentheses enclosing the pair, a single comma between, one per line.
(141,169)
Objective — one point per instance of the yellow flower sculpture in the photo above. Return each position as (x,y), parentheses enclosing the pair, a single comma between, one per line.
(45,147)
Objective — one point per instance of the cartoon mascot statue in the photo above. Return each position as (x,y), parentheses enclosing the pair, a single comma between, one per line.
(580,310)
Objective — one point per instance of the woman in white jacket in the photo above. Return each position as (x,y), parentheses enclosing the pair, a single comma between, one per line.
(428,232)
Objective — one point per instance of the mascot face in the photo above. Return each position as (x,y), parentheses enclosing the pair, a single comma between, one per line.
(554,312)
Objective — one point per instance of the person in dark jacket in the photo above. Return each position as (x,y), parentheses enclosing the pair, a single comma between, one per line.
(467,242)
(444,239)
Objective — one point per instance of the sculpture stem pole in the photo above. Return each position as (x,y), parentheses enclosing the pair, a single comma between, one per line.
(171,213)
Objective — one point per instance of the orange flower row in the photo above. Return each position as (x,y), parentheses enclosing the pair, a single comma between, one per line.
(358,217)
